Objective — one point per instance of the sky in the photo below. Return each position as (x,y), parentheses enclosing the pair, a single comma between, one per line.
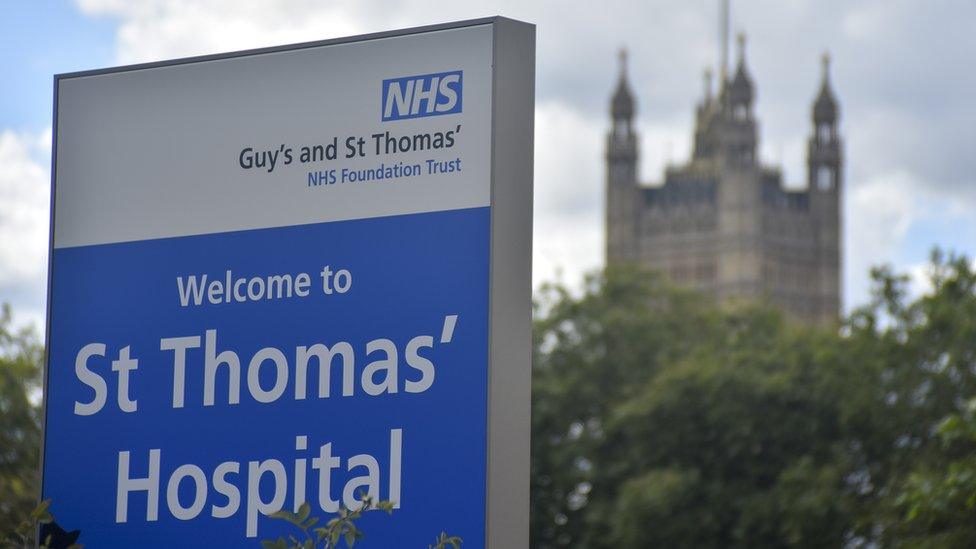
(901,70)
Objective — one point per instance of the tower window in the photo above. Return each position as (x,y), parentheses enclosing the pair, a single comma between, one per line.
(823,133)
(825,178)
(621,129)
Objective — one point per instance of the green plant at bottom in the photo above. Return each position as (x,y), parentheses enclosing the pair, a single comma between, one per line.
(23,535)
(341,528)
(444,540)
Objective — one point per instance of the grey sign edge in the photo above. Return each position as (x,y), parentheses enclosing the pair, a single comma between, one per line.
(510,288)
(510,328)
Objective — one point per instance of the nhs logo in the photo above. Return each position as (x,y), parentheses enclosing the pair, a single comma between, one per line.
(423,95)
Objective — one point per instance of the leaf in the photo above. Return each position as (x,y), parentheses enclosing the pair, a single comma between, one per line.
(40,510)
(444,540)
(286,515)
(303,511)
(279,543)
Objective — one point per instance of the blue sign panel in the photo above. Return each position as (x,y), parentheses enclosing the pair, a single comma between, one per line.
(199,382)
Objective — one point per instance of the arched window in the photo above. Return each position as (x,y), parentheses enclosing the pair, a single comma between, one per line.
(823,133)
(825,178)
(621,129)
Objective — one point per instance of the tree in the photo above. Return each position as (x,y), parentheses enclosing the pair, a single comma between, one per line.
(20,360)
(938,500)
(666,422)
(928,375)
(662,421)
(590,354)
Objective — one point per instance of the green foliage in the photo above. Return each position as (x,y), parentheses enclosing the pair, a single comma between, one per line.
(20,365)
(341,528)
(23,536)
(939,499)
(660,420)
(444,541)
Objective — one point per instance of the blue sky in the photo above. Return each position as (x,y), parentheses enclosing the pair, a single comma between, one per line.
(900,69)
(37,40)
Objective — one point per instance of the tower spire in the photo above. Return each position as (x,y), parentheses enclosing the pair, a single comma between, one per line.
(741,90)
(825,110)
(622,103)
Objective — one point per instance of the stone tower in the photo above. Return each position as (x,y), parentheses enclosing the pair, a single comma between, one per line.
(723,222)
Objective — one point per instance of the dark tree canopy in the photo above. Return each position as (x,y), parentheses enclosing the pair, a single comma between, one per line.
(660,420)
(20,360)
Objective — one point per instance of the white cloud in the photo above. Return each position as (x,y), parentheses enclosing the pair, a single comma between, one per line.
(24,203)
(159,29)
(879,213)
(885,213)
(568,231)
(866,21)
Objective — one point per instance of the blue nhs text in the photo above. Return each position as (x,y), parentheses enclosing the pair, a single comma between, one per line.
(423,95)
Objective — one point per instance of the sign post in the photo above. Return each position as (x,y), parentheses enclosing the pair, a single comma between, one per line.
(295,274)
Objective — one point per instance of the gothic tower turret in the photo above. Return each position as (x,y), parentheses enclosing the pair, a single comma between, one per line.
(726,126)
(824,149)
(622,192)
(825,183)
(741,141)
